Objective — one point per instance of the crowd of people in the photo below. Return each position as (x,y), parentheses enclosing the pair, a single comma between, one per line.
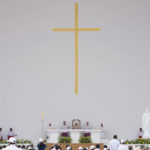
(115,144)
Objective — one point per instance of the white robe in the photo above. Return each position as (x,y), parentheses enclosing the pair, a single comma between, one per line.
(11,147)
(114,144)
(11,133)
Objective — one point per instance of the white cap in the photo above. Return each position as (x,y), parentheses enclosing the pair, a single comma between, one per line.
(92,147)
(122,141)
(53,148)
(80,148)
(29,147)
(68,148)
(40,140)
(12,140)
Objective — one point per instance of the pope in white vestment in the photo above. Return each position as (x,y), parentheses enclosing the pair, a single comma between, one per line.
(114,144)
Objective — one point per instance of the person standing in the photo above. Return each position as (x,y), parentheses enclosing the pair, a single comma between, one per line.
(114,144)
(41,145)
(1,134)
(140,134)
(12,144)
(11,133)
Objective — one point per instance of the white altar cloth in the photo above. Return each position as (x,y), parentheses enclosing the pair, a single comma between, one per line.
(53,135)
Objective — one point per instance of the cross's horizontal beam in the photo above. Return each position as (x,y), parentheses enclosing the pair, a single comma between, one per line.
(63,29)
(79,29)
(89,29)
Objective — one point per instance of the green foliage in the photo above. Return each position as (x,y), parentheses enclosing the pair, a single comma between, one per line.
(86,139)
(138,141)
(64,139)
(17,141)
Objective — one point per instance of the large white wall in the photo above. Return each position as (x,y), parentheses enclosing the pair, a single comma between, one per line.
(37,65)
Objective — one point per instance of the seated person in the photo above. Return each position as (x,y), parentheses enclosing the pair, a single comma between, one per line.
(97,147)
(64,127)
(76,126)
(87,127)
(68,147)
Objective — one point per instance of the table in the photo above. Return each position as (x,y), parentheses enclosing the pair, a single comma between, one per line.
(53,134)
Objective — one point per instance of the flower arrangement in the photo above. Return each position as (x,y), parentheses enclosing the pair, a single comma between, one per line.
(86,139)
(64,139)
(138,141)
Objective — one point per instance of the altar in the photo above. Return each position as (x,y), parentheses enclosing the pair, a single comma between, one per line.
(53,135)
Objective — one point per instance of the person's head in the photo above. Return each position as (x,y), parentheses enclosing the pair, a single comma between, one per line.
(92,147)
(40,140)
(0,129)
(11,129)
(23,147)
(19,146)
(130,147)
(115,137)
(101,125)
(140,129)
(68,148)
(76,124)
(123,141)
(87,123)
(12,140)
(80,148)
(4,146)
(105,146)
(57,147)
(49,124)
(97,145)
(64,123)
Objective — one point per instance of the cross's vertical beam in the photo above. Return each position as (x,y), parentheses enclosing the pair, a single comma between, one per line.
(76,48)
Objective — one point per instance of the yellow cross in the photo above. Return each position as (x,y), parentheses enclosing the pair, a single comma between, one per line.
(76,30)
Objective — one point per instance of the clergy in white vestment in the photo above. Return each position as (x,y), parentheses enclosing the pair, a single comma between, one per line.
(87,127)
(64,127)
(123,146)
(114,144)
(11,133)
(1,134)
